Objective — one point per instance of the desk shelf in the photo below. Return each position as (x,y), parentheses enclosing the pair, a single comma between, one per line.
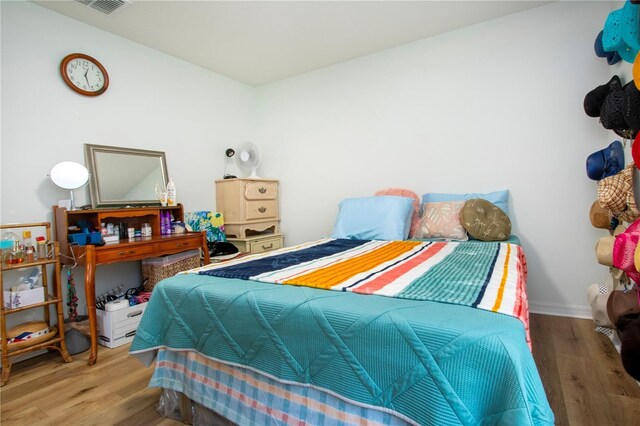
(122,251)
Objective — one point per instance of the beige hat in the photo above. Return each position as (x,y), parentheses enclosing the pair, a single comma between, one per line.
(615,193)
(599,216)
(604,247)
(29,334)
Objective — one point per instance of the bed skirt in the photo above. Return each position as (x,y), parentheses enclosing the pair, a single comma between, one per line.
(202,391)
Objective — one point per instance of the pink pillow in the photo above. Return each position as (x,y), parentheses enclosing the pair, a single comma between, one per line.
(442,220)
(401,192)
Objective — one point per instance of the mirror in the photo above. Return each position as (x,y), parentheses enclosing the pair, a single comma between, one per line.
(125,176)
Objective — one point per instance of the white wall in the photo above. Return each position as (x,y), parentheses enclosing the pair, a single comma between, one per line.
(154,102)
(492,106)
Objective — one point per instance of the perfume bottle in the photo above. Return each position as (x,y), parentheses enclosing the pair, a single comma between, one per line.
(15,254)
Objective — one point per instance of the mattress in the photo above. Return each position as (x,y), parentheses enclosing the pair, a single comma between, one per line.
(428,362)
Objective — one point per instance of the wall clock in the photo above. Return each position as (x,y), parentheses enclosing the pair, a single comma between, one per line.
(84,74)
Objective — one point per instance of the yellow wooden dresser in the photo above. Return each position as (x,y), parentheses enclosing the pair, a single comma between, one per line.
(251,214)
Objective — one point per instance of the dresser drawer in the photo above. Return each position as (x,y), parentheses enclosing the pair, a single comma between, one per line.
(266,244)
(260,190)
(192,243)
(117,254)
(258,243)
(261,209)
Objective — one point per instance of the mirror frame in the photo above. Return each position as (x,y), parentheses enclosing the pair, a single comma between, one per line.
(97,201)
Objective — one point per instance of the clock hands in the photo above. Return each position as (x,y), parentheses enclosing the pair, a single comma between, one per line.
(86,78)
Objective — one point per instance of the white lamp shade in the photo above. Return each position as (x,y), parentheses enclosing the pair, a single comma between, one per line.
(69,175)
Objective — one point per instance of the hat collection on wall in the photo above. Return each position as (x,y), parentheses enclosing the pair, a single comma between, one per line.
(617,105)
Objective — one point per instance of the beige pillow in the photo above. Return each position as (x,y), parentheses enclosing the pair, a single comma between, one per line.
(485,221)
(442,220)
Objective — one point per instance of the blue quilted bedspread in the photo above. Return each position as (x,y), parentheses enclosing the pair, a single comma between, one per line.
(434,363)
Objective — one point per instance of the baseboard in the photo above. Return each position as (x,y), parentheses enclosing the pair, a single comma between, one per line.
(573,311)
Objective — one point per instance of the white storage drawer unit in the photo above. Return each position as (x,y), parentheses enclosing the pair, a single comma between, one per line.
(118,327)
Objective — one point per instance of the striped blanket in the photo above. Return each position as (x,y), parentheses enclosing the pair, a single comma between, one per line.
(484,275)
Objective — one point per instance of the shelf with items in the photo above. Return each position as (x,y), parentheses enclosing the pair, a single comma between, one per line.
(53,298)
(123,250)
(134,217)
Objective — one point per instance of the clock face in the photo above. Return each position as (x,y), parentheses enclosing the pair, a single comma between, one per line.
(84,74)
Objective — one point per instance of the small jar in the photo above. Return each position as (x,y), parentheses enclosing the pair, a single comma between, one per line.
(41,248)
(146,230)
(30,254)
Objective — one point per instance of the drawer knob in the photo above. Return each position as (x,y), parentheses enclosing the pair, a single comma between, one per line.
(267,247)
(262,209)
(262,190)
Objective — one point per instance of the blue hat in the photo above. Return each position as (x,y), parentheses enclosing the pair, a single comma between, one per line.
(606,162)
(612,57)
(621,32)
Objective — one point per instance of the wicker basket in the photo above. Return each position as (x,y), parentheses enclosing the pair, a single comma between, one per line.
(157,269)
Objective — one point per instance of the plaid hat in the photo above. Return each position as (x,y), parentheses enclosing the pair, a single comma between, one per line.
(616,194)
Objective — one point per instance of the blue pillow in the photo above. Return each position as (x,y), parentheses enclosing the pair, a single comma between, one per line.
(383,217)
(499,198)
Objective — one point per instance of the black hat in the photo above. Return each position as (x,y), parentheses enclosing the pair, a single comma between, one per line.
(594,100)
(631,108)
(620,111)
(611,115)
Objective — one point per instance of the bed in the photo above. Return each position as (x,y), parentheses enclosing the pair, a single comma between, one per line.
(347,331)
(366,327)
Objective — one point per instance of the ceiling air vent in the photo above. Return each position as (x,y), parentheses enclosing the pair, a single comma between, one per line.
(105,6)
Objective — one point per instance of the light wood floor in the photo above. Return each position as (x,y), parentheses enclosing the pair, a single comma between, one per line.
(580,369)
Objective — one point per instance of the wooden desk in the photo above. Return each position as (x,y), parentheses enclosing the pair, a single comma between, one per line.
(124,251)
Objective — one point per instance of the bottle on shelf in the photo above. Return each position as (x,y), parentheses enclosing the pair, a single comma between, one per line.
(171,192)
(15,254)
(29,249)
(41,248)
(165,222)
